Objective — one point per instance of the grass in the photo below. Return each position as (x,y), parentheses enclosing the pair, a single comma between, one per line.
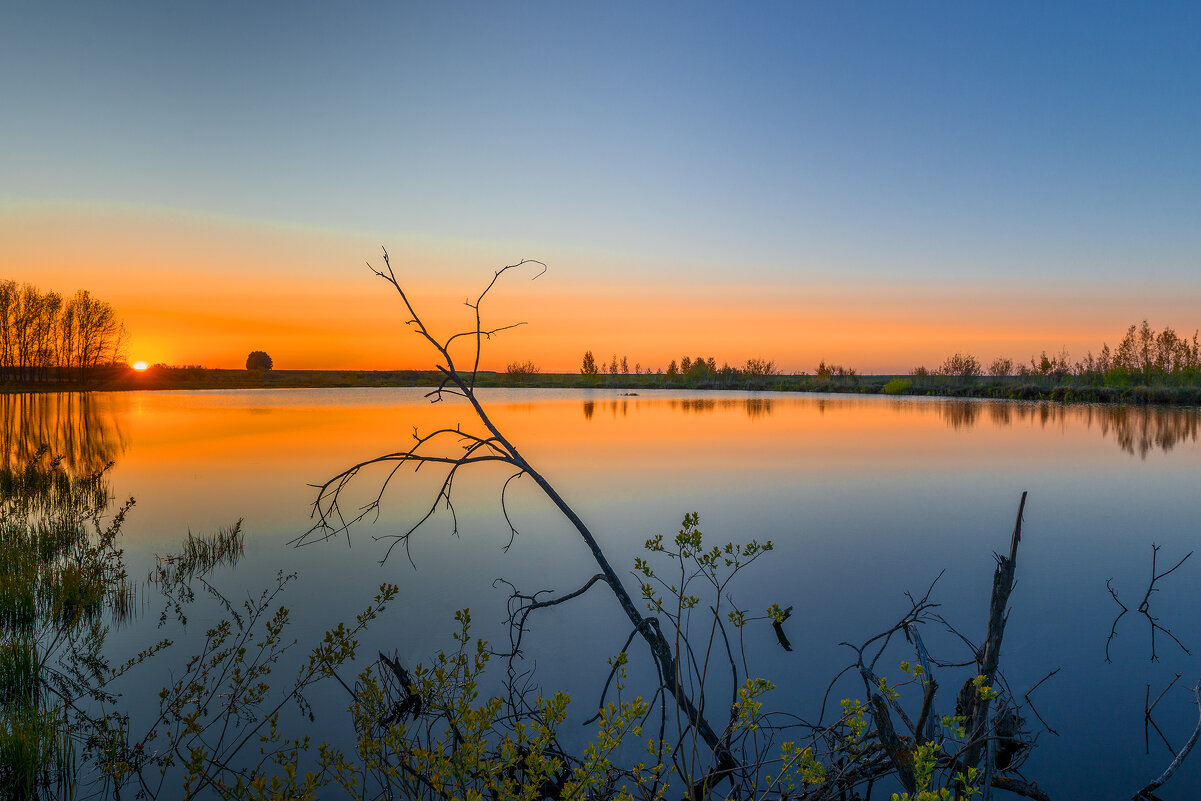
(60,570)
(200,554)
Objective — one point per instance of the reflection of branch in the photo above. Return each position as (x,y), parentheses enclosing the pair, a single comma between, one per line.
(1148,723)
(1031,702)
(1145,793)
(1144,608)
(1113,631)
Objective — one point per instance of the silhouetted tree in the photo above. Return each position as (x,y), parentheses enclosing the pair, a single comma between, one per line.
(259,360)
(589,365)
(40,334)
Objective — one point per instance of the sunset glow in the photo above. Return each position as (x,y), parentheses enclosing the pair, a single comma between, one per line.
(140,365)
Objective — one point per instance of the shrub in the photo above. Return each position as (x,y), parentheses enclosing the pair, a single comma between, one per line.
(963,365)
(759,367)
(1001,366)
(521,371)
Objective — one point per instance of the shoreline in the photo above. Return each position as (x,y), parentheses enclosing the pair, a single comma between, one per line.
(1025,388)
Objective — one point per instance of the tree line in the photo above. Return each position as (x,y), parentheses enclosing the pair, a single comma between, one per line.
(696,369)
(45,336)
(1143,356)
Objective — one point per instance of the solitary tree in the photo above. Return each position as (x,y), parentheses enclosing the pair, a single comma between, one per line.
(259,360)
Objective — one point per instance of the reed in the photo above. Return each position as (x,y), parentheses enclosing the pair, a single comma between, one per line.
(200,554)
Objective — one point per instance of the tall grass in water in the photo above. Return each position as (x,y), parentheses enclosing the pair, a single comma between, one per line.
(200,554)
(60,573)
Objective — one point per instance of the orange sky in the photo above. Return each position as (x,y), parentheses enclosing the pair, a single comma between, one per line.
(196,289)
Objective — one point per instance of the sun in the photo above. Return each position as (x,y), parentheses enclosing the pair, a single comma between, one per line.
(140,365)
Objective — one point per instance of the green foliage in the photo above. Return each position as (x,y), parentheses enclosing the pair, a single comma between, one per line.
(897,386)
(456,743)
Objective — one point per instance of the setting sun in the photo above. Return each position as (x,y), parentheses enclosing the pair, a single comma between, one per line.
(140,365)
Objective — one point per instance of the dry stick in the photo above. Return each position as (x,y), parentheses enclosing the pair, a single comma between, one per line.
(1145,793)
(891,743)
(1019,787)
(991,657)
(927,705)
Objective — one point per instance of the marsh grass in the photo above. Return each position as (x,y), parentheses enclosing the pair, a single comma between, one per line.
(200,554)
(61,575)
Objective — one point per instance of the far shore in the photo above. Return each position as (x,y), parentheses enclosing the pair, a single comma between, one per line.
(1063,389)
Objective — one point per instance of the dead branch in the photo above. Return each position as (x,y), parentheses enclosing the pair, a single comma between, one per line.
(990,658)
(495,447)
(892,744)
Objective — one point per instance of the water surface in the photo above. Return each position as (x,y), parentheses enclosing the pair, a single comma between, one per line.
(865,498)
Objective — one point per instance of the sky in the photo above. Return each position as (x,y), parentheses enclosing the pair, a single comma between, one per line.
(875,184)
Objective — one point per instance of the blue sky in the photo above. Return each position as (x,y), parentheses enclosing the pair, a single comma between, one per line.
(793,144)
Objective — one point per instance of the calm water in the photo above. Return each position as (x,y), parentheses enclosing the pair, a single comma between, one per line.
(865,498)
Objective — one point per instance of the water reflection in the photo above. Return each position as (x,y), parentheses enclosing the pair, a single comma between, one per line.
(87,430)
(1137,430)
(874,492)
(755,407)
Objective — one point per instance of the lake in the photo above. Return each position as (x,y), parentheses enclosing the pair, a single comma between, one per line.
(864,497)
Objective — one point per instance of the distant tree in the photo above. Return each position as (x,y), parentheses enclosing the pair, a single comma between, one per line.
(672,370)
(759,367)
(701,368)
(685,364)
(1001,366)
(259,360)
(589,365)
(613,365)
(99,334)
(41,334)
(1057,366)
(625,365)
(962,365)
